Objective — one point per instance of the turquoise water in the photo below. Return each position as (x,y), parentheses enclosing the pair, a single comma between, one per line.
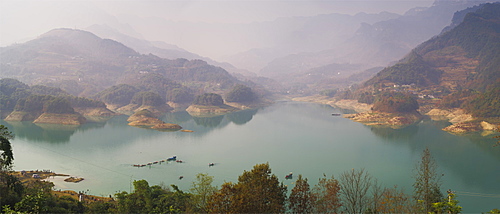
(302,138)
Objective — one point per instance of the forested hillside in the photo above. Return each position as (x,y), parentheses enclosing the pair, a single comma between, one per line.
(463,59)
(83,64)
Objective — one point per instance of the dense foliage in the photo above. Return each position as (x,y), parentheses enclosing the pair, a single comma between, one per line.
(395,102)
(329,92)
(46,90)
(209,99)
(147,98)
(257,191)
(58,105)
(83,102)
(152,199)
(366,97)
(11,90)
(15,95)
(33,103)
(411,70)
(241,93)
(479,35)
(456,99)
(180,95)
(485,104)
(118,94)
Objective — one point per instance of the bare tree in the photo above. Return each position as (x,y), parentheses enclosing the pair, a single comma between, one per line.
(354,186)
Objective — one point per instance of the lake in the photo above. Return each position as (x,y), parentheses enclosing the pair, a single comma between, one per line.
(303,138)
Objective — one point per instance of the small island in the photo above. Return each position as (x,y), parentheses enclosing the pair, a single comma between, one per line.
(209,104)
(146,119)
(392,109)
(73,179)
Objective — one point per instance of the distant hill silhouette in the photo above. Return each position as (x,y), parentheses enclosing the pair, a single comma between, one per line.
(461,66)
(84,64)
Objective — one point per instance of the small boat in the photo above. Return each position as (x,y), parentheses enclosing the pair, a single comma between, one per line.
(336,114)
(211,164)
(149,164)
(181,177)
(289,176)
(179,161)
(156,162)
(172,158)
(136,165)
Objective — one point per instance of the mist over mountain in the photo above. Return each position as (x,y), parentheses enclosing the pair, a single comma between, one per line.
(84,64)
(310,52)
(159,48)
(461,65)
(376,44)
(301,34)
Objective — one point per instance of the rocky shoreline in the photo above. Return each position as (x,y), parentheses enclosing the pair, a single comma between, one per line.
(198,110)
(395,121)
(145,118)
(462,123)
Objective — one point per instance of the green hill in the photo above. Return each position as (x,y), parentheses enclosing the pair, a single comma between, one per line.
(83,64)
(464,58)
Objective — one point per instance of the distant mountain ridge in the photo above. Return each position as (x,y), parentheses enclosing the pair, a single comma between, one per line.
(461,66)
(377,44)
(84,64)
(158,48)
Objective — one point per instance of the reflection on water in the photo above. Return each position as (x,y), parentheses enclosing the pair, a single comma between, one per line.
(177,117)
(392,135)
(56,133)
(300,137)
(53,133)
(209,121)
(241,117)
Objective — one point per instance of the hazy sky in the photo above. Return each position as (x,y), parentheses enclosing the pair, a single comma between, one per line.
(21,20)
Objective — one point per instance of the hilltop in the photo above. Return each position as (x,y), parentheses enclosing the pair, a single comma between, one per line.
(459,68)
(84,64)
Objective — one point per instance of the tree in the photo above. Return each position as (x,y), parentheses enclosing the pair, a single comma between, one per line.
(327,195)
(202,189)
(118,94)
(58,105)
(138,202)
(354,186)
(223,200)
(257,191)
(11,189)
(427,183)
(395,102)
(180,95)
(209,99)
(394,200)
(7,156)
(241,93)
(154,199)
(301,199)
(447,205)
(147,98)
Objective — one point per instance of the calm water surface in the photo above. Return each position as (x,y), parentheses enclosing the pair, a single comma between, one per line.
(302,138)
